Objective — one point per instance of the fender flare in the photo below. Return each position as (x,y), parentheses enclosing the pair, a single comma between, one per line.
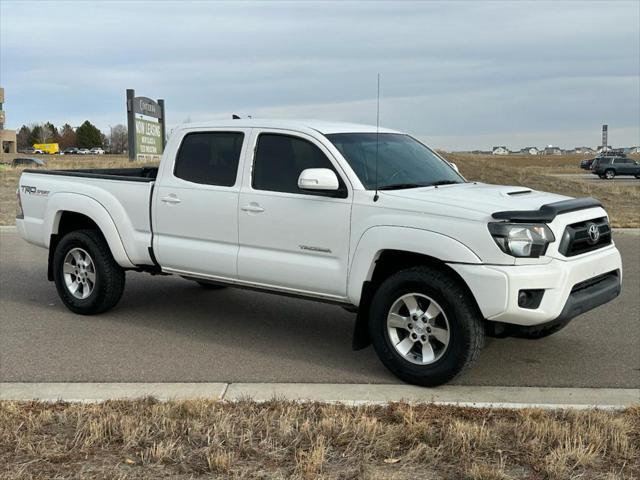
(85,205)
(375,240)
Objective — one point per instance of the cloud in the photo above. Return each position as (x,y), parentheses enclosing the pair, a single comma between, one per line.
(457,72)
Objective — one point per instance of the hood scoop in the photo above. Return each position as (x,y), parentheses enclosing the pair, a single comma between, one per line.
(519,192)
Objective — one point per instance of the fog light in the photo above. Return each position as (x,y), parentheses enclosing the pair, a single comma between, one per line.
(530,298)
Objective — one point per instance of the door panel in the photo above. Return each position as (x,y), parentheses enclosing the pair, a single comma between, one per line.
(199,234)
(293,241)
(297,242)
(196,224)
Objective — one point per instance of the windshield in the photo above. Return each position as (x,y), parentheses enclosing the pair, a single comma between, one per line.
(403,162)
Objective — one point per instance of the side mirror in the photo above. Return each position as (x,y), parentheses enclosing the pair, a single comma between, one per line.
(454,166)
(318,179)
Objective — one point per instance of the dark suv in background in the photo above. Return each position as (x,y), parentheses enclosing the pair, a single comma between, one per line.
(609,167)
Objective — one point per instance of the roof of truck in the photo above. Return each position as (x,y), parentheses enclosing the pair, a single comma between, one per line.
(322,126)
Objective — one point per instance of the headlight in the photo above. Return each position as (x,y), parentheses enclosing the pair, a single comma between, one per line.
(522,239)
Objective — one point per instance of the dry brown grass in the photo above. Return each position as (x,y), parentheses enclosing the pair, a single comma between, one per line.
(201,438)
(621,201)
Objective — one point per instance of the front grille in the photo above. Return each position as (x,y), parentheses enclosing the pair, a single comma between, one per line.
(577,239)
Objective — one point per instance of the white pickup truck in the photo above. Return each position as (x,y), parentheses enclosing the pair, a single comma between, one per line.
(369,219)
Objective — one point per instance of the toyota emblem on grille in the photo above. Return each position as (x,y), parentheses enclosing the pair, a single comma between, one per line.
(594,233)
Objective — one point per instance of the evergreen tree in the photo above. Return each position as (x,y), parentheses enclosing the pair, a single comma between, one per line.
(36,135)
(23,136)
(88,135)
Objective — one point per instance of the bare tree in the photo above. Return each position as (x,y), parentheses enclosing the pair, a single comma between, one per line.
(118,139)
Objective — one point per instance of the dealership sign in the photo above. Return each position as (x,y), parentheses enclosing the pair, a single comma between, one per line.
(146,123)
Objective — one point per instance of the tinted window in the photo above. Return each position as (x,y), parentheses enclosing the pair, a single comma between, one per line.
(280,159)
(210,158)
(402,162)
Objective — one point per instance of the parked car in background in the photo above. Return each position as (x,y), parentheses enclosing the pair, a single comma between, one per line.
(69,151)
(28,150)
(96,151)
(586,164)
(50,148)
(609,167)
(27,162)
(83,151)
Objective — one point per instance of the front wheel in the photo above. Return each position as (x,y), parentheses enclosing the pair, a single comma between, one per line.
(609,174)
(88,279)
(424,326)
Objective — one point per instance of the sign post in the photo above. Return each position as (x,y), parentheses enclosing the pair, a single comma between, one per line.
(146,127)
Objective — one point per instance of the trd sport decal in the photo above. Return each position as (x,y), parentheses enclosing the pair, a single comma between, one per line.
(34,191)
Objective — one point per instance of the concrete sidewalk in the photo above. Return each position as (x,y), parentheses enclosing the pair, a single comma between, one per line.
(351,394)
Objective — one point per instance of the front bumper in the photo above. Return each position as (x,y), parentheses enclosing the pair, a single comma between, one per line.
(568,290)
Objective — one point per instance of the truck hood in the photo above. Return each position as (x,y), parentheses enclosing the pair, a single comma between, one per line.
(472,200)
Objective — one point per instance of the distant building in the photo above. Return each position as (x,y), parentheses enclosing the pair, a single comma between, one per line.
(632,150)
(501,150)
(605,148)
(530,151)
(7,137)
(551,150)
(583,151)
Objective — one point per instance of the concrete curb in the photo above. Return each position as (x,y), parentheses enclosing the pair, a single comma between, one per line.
(350,394)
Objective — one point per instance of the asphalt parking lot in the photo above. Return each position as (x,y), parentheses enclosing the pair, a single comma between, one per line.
(167,329)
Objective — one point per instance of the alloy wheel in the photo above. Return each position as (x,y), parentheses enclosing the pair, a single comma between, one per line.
(418,328)
(79,273)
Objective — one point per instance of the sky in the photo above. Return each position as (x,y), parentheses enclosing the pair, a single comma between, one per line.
(460,75)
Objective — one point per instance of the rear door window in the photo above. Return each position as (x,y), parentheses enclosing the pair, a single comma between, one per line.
(209,158)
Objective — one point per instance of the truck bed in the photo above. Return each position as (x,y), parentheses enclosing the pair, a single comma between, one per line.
(120,198)
(142,174)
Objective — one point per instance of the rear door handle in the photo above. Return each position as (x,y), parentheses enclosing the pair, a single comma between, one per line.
(171,199)
(253,207)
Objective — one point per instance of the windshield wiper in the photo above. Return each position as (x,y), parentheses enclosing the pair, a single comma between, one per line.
(400,186)
(443,182)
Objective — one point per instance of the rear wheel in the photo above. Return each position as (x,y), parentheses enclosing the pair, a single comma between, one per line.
(424,326)
(609,174)
(87,278)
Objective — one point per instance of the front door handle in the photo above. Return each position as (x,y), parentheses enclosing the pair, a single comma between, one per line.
(171,199)
(253,207)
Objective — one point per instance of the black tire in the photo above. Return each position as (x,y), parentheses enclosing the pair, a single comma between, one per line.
(465,324)
(609,174)
(210,286)
(109,276)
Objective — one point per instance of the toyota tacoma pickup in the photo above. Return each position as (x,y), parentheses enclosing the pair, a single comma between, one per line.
(365,218)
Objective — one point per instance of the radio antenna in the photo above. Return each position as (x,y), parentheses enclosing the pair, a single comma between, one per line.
(376,196)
